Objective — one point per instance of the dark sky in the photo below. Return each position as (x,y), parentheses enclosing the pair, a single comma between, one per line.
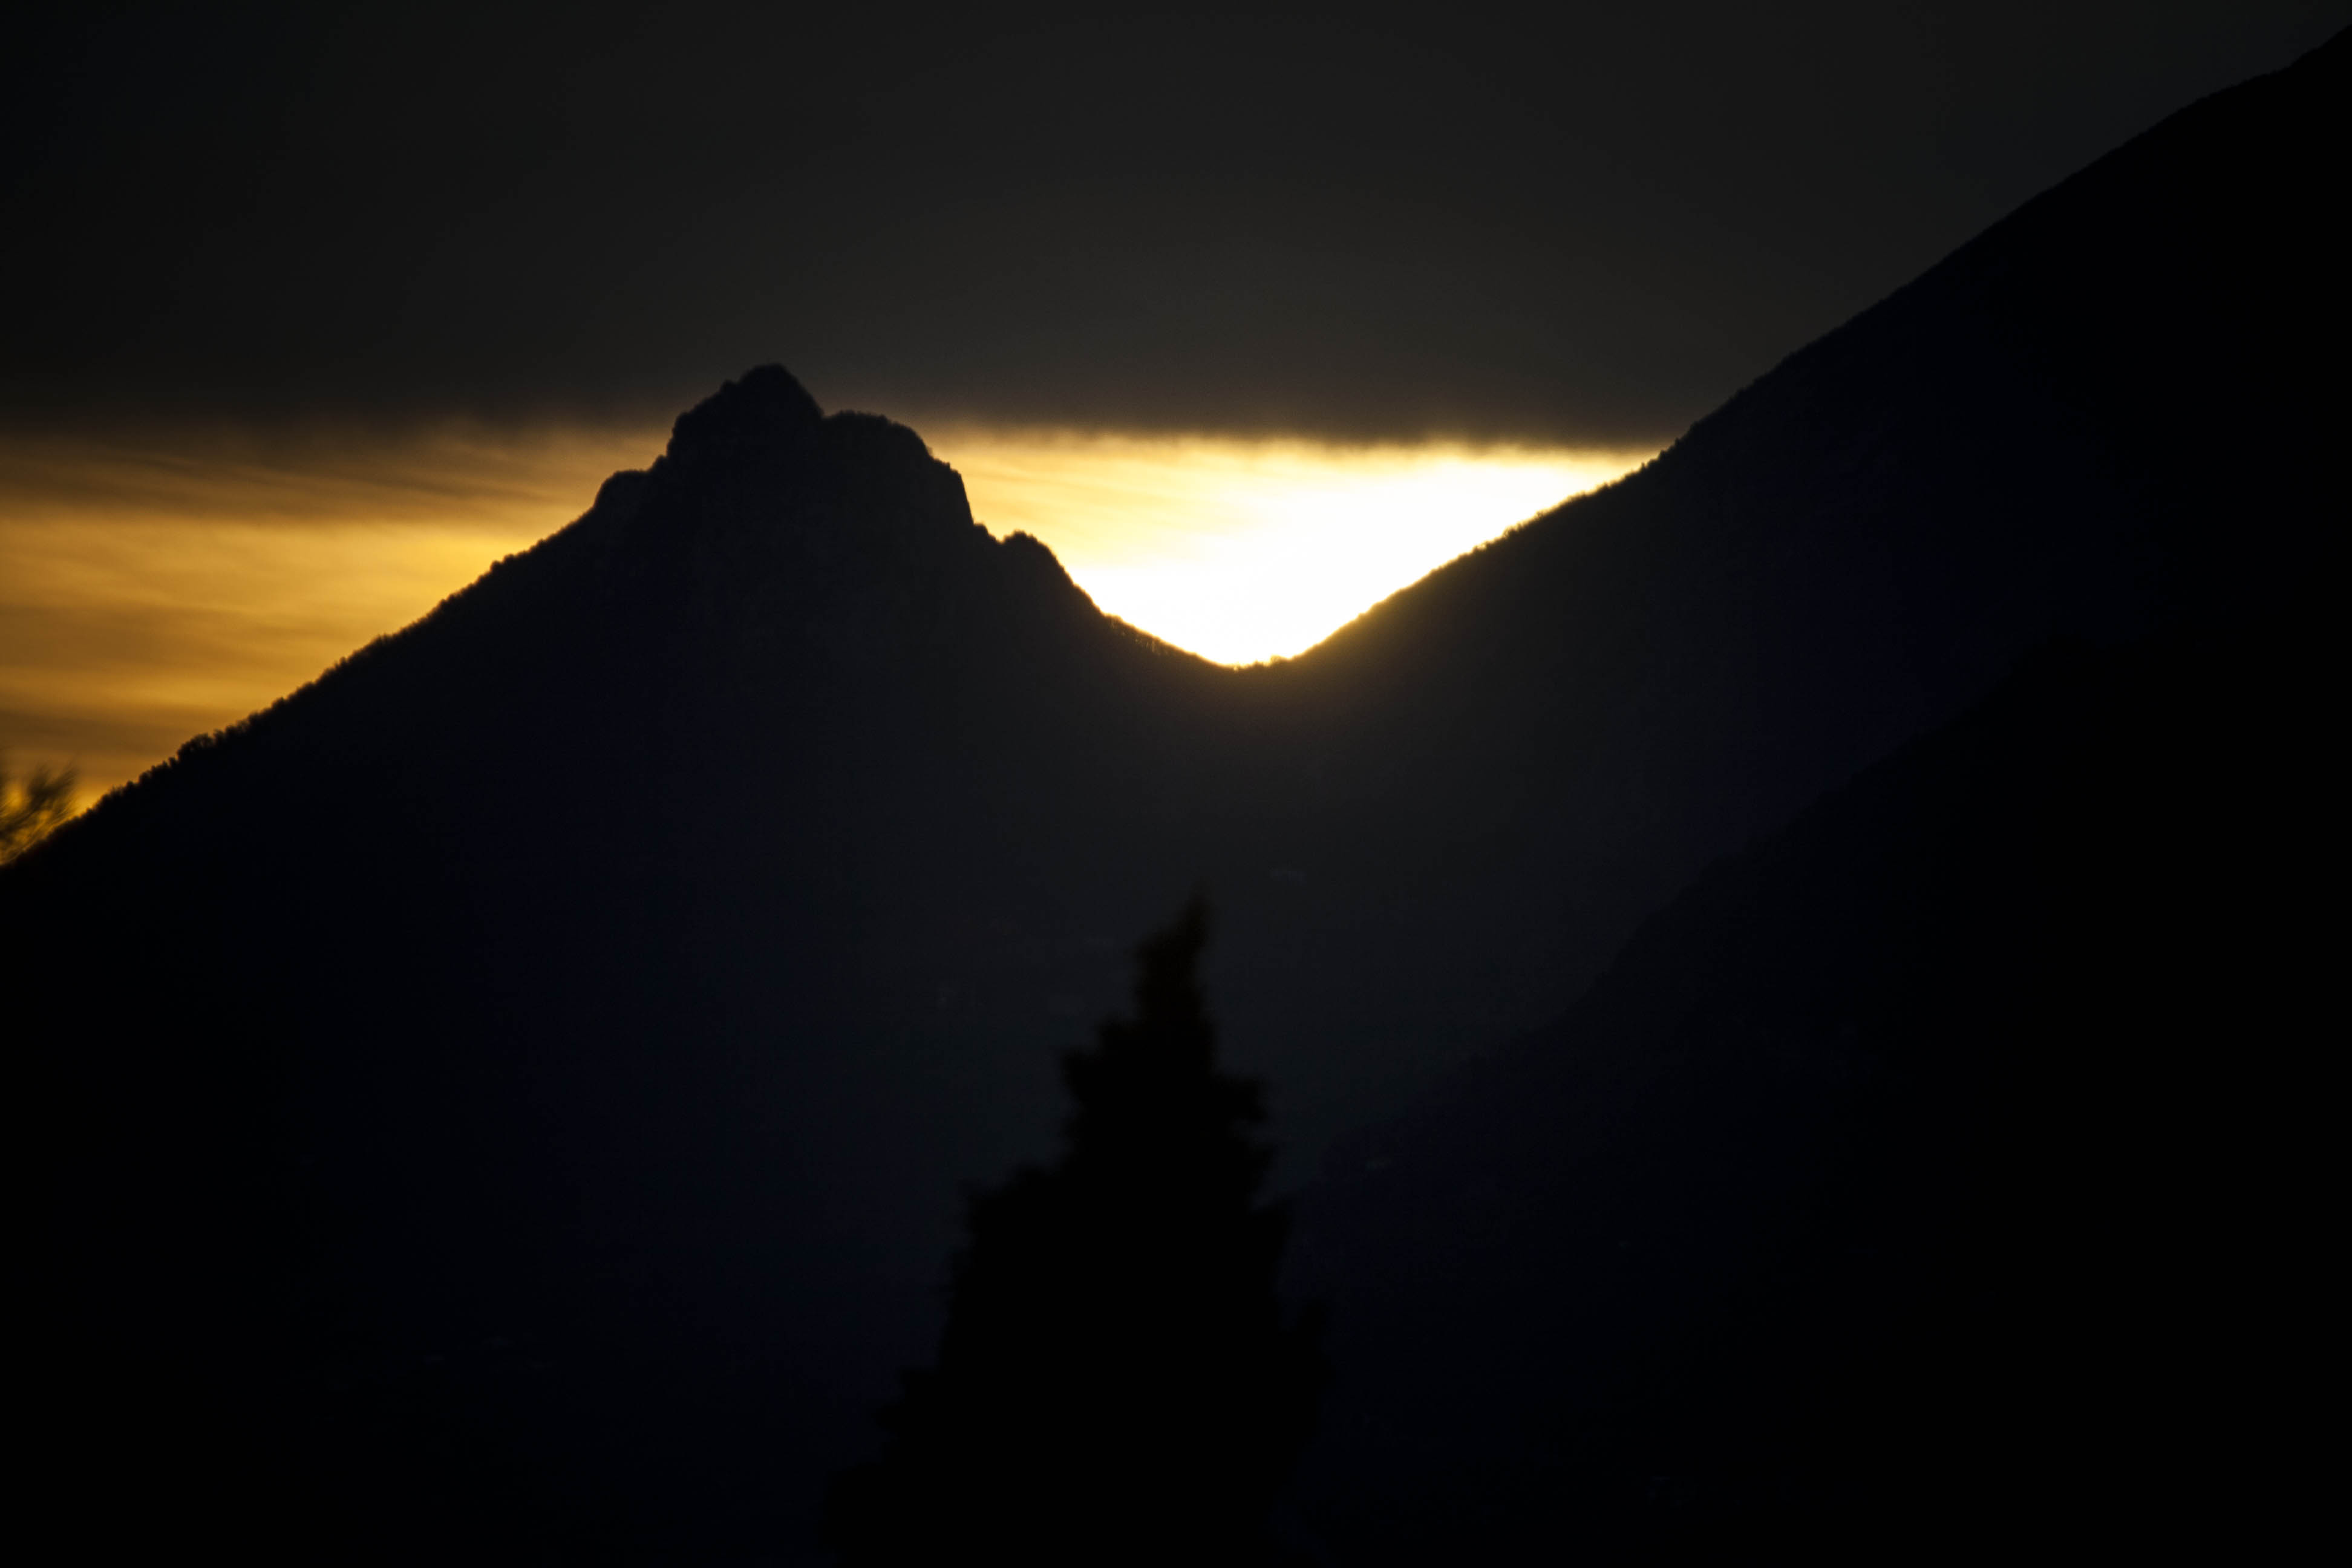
(1339,220)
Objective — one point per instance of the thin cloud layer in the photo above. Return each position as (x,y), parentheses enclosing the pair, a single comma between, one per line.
(154,586)
(1359,223)
(157,585)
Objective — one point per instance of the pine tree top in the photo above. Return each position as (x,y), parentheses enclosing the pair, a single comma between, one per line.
(1117,1381)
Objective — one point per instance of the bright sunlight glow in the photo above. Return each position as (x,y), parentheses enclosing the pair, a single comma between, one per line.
(154,589)
(1242,551)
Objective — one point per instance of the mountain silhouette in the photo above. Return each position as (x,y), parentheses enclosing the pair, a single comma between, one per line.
(514,1091)
(1932,1174)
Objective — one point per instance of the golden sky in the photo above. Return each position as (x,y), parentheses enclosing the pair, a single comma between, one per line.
(156,586)
(1246,550)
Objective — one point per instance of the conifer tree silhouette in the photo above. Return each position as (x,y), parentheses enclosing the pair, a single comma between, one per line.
(1117,1381)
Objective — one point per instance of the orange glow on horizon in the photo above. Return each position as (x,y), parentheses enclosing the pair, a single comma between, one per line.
(155,589)
(1241,549)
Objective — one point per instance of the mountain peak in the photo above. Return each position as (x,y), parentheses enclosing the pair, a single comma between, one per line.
(768,407)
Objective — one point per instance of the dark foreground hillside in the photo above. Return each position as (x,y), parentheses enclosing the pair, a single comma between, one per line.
(1937,1172)
(515,1092)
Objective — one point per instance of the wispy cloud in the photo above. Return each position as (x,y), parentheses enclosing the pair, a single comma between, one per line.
(158,585)
(155,586)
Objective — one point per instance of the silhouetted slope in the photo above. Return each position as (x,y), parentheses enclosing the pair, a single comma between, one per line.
(530,1049)
(515,1089)
(2111,413)
(1936,1172)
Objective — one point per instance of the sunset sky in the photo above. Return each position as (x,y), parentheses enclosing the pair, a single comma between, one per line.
(1253,313)
(160,583)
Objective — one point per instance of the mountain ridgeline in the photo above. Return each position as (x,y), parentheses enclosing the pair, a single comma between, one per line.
(515,1091)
